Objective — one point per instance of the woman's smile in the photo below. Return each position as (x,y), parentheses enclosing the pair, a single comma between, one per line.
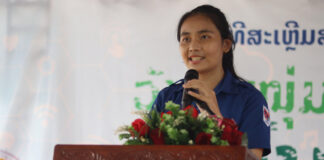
(196,59)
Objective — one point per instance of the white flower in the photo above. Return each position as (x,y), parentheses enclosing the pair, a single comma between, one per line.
(123,128)
(142,139)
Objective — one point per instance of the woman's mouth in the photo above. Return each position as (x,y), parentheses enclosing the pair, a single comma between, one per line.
(195,59)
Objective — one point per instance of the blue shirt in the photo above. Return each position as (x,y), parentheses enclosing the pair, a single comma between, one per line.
(237,100)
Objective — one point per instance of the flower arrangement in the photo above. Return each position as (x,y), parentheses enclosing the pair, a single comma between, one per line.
(181,127)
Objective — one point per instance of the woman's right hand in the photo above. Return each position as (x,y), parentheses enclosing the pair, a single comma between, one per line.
(204,94)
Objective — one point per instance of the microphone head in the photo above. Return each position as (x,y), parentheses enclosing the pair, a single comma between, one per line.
(191,74)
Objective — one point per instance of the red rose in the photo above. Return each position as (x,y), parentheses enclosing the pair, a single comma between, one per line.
(140,127)
(203,138)
(194,112)
(229,122)
(227,133)
(231,132)
(157,136)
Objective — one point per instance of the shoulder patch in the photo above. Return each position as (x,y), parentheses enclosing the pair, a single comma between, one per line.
(266,116)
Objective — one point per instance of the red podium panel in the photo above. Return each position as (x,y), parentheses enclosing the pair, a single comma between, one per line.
(151,152)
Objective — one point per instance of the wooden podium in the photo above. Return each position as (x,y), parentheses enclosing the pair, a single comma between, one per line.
(151,152)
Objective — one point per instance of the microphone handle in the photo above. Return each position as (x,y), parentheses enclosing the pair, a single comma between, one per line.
(202,104)
(188,100)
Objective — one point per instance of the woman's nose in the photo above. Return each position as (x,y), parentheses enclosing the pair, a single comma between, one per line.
(194,46)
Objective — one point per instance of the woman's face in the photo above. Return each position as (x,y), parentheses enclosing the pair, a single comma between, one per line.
(201,44)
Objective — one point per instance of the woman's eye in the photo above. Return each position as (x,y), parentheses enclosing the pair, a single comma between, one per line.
(186,39)
(204,37)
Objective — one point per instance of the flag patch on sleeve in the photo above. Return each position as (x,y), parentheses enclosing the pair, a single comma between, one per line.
(266,116)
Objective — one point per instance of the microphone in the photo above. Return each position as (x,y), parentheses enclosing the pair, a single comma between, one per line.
(188,99)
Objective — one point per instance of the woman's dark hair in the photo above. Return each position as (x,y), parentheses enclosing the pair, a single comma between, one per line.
(219,20)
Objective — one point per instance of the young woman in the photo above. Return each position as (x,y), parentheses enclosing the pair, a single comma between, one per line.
(206,45)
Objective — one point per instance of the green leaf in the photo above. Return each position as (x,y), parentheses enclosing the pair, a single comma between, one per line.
(214,140)
(210,123)
(133,142)
(124,136)
(153,119)
(173,133)
(245,140)
(136,134)
(174,108)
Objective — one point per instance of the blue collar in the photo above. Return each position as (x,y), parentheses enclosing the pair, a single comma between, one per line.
(228,84)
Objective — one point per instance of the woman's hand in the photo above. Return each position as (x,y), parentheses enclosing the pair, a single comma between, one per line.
(205,94)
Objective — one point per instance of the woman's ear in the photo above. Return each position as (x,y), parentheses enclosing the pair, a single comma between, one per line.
(227,45)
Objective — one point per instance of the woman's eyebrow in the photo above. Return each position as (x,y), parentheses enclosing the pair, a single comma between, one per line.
(199,32)
(205,31)
(184,33)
